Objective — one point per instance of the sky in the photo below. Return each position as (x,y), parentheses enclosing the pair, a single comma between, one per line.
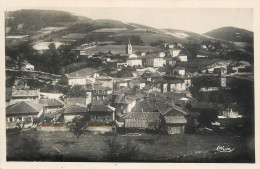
(198,20)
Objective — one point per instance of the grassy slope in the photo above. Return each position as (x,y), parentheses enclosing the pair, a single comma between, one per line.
(174,148)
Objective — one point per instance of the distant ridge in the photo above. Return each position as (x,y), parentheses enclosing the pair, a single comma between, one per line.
(232,34)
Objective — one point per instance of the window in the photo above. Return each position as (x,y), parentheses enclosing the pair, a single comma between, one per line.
(19,119)
(10,119)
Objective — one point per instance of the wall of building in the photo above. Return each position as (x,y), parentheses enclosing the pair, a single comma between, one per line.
(175,129)
(76,81)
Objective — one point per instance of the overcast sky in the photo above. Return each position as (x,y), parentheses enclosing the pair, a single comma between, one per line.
(199,20)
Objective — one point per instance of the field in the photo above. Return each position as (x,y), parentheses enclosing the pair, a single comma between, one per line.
(118,49)
(62,146)
(198,63)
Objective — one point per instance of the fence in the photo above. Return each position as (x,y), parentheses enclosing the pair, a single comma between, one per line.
(52,128)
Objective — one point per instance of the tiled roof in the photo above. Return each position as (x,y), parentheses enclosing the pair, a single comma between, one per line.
(122,99)
(156,75)
(140,119)
(175,119)
(146,106)
(101,108)
(25,93)
(50,102)
(24,107)
(170,110)
(136,123)
(149,116)
(76,108)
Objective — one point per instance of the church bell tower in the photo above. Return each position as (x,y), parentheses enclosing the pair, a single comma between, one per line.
(129,49)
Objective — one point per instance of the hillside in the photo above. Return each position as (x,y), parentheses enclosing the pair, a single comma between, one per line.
(232,34)
(26,21)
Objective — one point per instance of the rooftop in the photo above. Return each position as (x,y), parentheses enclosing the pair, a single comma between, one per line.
(75,108)
(50,102)
(175,119)
(101,108)
(141,119)
(123,99)
(24,107)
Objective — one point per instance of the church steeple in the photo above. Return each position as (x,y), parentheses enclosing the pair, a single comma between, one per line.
(129,49)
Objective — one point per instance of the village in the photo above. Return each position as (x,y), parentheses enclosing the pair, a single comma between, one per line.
(175,90)
(144,95)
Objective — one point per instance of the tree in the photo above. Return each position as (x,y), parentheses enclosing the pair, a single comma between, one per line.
(78,126)
(193,49)
(77,91)
(206,117)
(52,46)
(21,124)
(28,148)
(122,152)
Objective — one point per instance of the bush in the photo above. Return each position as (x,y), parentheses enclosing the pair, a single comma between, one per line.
(122,152)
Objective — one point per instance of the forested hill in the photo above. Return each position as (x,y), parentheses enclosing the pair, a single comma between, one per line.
(31,20)
(232,34)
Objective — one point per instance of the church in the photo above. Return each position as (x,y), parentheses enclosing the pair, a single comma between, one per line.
(132,59)
(128,48)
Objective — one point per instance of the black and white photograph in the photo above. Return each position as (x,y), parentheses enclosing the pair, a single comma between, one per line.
(129,84)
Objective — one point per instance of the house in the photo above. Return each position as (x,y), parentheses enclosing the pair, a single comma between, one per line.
(183,58)
(169,61)
(81,77)
(99,94)
(159,85)
(136,121)
(53,118)
(176,85)
(120,83)
(105,81)
(179,71)
(101,115)
(237,66)
(151,76)
(204,47)
(29,67)
(154,61)
(51,105)
(171,46)
(71,111)
(160,54)
(174,118)
(24,95)
(25,111)
(174,52)
(116,63)
(134,62)
(140,83)
(124,103)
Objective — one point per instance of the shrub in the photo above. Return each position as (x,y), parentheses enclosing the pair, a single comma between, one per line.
(122,152)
